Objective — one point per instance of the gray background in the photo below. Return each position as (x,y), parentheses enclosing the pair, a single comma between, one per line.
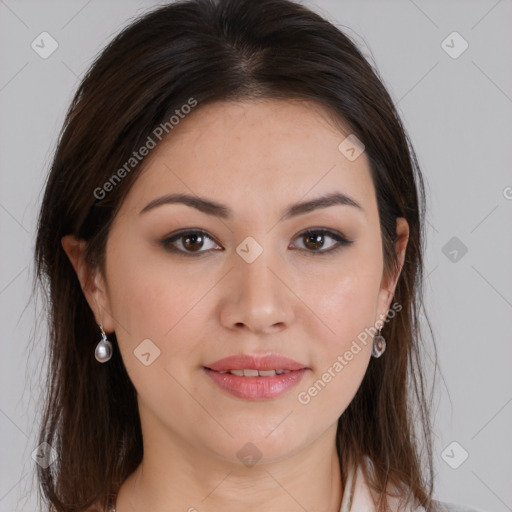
(458,112)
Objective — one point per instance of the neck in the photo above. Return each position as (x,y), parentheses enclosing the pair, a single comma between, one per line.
(177,476)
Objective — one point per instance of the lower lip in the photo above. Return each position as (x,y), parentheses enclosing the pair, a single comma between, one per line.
(256,388)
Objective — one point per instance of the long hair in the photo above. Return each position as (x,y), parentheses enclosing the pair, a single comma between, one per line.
(205,51)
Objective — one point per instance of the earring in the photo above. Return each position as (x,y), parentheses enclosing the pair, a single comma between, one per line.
(103,350)
(379,345)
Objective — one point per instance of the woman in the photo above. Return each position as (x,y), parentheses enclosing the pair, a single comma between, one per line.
(231,239)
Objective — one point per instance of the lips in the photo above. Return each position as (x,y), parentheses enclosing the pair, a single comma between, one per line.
(256,377)
(256,388)
(249,362)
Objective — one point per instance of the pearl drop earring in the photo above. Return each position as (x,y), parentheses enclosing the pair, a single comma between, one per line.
(379,345)
(103,350)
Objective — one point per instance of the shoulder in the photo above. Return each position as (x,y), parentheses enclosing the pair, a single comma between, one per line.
(445,506)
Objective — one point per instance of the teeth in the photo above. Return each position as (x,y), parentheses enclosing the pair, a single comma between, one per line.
(255,373)
(250,373)
(267,373)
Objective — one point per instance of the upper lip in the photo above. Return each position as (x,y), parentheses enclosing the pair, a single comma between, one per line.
(255,362)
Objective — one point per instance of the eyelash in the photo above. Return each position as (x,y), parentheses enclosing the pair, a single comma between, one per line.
(341,240)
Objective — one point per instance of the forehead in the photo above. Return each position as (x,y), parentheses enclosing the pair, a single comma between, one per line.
(258,153)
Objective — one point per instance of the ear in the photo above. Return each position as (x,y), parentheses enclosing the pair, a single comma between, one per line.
(388,283)
(92,282)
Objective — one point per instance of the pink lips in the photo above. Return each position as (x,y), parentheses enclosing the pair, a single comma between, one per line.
(256,388)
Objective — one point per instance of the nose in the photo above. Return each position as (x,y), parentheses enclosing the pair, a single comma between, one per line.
(257,298)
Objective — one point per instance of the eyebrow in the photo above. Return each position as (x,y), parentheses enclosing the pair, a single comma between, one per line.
(221,211)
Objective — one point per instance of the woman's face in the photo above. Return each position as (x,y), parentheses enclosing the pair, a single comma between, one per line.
(185,287)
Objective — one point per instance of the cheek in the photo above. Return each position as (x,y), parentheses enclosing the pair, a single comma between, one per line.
(148,293)
(151,299)
(345,295)
(343,352)
(165,308)
(344,302)
(329,392)
(349,304)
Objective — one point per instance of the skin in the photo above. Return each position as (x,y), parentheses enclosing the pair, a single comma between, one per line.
(257,158)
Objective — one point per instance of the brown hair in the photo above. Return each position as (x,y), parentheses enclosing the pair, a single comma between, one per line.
(214,50)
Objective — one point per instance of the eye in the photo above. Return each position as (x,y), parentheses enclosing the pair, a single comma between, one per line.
(314,240)
(189,242)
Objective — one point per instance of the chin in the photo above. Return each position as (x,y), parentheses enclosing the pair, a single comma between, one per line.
(252,448)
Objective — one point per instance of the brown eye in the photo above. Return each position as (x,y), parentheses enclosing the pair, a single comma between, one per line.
(315,240)
(193,242)
(190,243)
